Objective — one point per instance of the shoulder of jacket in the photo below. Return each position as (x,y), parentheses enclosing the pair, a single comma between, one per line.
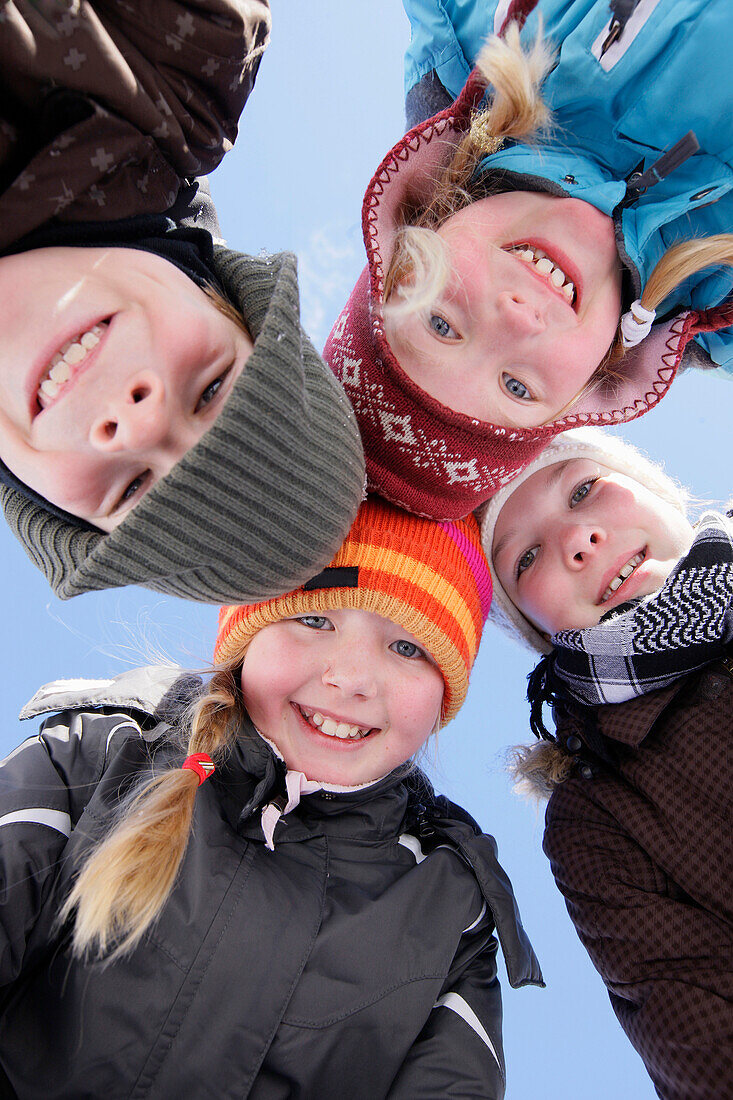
(141,689)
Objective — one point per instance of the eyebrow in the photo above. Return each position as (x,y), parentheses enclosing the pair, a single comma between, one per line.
(554,474)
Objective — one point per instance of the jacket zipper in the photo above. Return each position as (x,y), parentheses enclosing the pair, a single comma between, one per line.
(621,31)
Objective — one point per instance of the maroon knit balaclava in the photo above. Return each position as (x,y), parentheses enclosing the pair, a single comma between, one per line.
(420,454)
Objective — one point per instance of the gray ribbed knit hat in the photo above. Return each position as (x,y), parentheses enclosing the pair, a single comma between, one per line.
(591,443)
(259,504)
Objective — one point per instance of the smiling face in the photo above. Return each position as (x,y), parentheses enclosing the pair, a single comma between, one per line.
(346,696)
(530,308)
(113,363)
(577,539)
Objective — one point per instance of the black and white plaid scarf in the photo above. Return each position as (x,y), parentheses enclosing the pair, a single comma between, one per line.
(680,628)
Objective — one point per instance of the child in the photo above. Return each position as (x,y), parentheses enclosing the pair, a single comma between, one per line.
(596,564)
(504,267)
(314,921)
(157,389)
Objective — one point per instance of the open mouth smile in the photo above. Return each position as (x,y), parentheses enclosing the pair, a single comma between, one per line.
(342,731)
(623,575)
(538,260)
(67,363)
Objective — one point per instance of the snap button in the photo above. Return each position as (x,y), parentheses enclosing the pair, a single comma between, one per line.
(574,744)
(569,179)
(585,771)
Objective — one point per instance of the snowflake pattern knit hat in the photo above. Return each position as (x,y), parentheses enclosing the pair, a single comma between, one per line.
(431,578)
(591,443)
(420,453)
(259,504)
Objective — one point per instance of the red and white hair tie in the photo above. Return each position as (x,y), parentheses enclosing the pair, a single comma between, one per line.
(200,763)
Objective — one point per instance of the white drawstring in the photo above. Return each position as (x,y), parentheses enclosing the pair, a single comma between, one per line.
(296,784)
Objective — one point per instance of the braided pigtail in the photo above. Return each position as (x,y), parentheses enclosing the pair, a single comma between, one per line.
(127,879)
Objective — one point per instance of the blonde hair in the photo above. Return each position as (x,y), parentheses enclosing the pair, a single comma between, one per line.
(419,268)
(677,264)
(127,879)
(539,768)
(517,110)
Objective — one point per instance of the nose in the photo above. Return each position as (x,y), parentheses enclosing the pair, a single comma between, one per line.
(518,315)
(579,543)
(134,417)
(350,671)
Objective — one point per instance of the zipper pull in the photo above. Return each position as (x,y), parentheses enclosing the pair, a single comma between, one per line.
(672,158)
(621,12)
(614,33)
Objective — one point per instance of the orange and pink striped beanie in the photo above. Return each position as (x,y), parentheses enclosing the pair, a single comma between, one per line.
(430,577)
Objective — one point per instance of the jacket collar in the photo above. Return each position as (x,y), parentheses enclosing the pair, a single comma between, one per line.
(252,775)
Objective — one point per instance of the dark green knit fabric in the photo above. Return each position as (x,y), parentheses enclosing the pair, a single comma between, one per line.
(260,504)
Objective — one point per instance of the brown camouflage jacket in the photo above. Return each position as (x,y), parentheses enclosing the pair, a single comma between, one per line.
(642,851)
(106,106)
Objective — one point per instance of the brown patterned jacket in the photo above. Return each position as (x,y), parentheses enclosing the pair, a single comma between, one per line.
(642,851)
(107,106)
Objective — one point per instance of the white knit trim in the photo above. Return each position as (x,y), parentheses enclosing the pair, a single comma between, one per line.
(592,443)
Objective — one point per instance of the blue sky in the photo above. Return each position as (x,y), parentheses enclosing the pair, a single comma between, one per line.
(327,106)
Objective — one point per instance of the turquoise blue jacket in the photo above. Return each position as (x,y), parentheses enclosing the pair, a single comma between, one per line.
(669,72)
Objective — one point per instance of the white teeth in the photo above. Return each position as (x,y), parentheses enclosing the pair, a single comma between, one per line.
(622,575)
(542,263)
(343,730)
(61,372)
(75,354)
(66,358)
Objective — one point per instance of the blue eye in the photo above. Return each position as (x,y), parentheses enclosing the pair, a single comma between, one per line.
(407,649)
(315,622)
(441,328)
(581,492)
(526,560)
(516,388)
